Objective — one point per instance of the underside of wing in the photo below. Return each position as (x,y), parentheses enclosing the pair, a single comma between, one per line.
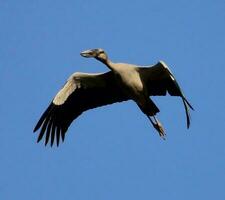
(81,92)
(160,80)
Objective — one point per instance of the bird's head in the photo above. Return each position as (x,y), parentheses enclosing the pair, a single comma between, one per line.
(98,54)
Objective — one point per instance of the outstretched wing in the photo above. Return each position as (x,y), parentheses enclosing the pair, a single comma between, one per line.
(80,93)
(160,80)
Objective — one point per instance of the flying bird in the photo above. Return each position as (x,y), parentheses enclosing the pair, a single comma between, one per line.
(84,91)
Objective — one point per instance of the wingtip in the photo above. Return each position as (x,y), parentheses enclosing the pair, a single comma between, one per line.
(188,125)
(35,129)
(63,136)
(43,117)
(188,103)
(38,140)
(52,141)
(188,117)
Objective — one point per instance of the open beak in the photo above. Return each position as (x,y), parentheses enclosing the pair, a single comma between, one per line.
(87,53)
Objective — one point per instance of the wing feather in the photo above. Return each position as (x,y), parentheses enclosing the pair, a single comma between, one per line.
(53,131)
(159,80)
(80,93)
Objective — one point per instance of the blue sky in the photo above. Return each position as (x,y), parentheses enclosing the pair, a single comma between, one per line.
(112,152)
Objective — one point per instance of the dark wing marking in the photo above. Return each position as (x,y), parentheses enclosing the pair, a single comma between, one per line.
(80,93)
(160,80)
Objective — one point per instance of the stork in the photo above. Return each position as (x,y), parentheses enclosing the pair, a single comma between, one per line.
(84,91)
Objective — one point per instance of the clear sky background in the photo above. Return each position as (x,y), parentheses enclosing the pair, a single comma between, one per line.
(112,152)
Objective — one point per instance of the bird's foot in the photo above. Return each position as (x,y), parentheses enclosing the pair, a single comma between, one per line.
(158,126)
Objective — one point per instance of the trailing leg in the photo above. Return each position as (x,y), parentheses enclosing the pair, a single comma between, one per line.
(148,107)
(157,125)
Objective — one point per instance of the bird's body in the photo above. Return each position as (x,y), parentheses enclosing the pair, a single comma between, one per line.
(128,77)
(123,82)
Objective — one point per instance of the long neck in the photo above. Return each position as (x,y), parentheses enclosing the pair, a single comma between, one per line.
(107,62)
